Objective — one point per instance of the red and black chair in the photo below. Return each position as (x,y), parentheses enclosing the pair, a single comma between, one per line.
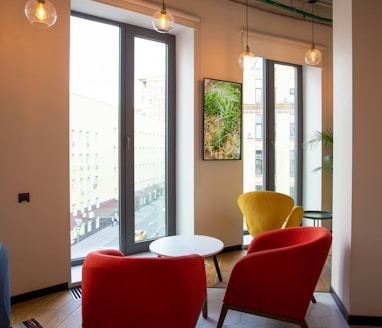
(278,275)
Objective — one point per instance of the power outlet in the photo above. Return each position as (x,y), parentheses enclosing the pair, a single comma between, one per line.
(24,197)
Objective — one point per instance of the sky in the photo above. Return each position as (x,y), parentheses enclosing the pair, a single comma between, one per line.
(94,59)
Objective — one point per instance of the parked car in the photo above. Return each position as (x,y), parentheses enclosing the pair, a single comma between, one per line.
(140,235)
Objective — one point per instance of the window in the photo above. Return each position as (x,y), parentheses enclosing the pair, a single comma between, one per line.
(259,162)
(259,91)
(259,126)
(292,127)
(275,153)
(122,102)
(292,164)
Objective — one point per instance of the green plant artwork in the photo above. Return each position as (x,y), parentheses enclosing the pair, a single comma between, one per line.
(222,120)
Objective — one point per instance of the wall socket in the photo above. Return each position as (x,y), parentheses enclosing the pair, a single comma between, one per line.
(24,197)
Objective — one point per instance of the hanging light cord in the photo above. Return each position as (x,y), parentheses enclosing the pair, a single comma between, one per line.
(312,25)
(246,20)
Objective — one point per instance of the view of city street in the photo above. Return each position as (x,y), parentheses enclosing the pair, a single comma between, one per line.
(149,218)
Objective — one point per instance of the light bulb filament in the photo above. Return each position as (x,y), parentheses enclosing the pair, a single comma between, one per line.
(163,20)
(41,12)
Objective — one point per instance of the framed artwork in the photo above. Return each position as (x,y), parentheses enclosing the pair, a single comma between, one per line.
(222,120)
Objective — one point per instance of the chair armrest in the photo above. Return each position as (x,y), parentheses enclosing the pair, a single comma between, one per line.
(294,218)
(112,252)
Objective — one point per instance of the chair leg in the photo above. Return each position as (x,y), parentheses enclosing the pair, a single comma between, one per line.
(304,324)
(314,299)
(205,309)
(223,313)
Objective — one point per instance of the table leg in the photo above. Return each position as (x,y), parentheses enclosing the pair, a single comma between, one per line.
(217,268)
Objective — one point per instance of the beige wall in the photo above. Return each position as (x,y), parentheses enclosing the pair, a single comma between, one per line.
(34,143)
(35,134)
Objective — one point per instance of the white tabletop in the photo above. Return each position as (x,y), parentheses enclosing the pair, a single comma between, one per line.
(186,244)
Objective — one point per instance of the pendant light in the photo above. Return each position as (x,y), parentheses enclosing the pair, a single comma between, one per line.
(313,55)
(162,20)
(247,59)
(40,13)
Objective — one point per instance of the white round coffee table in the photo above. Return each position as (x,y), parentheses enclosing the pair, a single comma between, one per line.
(189,244)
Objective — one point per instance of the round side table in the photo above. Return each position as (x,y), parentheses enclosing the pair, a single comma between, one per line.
(318,216)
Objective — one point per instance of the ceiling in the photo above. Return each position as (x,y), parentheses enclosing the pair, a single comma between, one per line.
(299,9)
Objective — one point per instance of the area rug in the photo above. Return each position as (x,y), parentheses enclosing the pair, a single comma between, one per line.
(31,323)
(227,261)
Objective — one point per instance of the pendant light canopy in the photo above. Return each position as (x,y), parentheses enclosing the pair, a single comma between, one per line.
(40,13)
(313,55)
(163,21)
(247,59)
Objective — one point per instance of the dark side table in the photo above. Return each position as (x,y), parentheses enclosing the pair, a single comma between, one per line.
(318,216)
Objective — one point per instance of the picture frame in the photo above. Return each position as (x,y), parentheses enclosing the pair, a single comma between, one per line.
(222,119)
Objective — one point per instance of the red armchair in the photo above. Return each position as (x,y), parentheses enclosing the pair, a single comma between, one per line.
(119,291)
(277,277)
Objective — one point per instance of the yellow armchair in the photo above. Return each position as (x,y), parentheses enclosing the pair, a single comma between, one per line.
(269,210)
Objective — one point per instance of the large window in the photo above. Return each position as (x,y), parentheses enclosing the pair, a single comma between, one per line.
(273,157)
(122,136)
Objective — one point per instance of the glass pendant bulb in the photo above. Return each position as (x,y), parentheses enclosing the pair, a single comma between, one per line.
(40,13)
(247,59)
(313,56)
(163,21)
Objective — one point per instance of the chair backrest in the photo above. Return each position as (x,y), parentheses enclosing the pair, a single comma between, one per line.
(280,271)
(5,306)
(264,210)
(120,291)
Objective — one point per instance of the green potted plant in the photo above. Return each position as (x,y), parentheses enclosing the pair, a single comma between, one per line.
(326,139)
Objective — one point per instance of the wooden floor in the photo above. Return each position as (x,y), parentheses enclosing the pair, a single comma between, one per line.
(62,310)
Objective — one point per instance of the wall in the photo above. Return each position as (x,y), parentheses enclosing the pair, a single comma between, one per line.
(34,143)
(356,268)
(35,134)
(219,42)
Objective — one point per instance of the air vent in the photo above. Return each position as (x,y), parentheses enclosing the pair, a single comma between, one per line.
(76,293)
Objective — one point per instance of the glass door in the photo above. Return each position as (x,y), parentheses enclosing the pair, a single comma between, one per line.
(150,139)
(272,122)
(122,136)
(94,136)
(283,133)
